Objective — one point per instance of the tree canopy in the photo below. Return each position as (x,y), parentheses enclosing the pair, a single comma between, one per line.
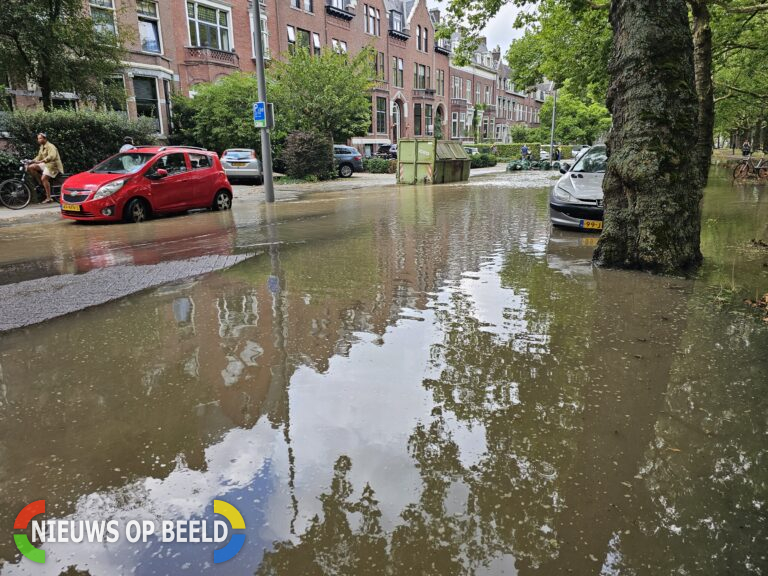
(327,93)
(56,44)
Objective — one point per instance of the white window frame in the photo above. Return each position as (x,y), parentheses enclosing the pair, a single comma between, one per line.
(264,34)
(156,19)
(215,6)
(112,9)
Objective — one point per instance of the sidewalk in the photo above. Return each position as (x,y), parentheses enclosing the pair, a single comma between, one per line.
(283,193)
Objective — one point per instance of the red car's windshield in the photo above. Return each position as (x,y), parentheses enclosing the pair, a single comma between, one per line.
(125,163)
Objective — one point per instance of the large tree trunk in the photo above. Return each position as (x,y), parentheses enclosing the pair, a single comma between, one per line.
(45,92)
(652,185)
(702,58)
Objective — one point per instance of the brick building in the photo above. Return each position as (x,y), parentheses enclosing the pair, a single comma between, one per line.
(178,44)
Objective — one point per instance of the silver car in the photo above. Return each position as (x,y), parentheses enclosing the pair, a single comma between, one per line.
(576,201)
(242,163)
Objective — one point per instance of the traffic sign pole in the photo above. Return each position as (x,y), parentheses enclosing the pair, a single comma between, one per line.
(266,145)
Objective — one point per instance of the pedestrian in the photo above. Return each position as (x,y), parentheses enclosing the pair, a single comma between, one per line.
(46,166)
(524,152)
(557,153)
(746,148)
(127,144)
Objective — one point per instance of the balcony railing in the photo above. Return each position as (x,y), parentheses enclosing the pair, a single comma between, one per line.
(443,47)
(211,56)
(424,93)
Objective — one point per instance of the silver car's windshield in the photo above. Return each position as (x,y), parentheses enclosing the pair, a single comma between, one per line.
(593,160)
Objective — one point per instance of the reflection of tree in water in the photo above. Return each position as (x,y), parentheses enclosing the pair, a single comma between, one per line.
(595,458)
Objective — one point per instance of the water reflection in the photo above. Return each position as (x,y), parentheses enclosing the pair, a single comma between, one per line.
(420,382)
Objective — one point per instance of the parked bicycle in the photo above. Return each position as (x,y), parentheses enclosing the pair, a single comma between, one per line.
(747,167)
(15,193)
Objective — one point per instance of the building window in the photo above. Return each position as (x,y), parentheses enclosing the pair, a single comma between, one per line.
(396,21)
(417,119)
(103,16)
(418,37)
(378,67)
(456,90)
(308,6)
(149,26)
(208,26)
(426,37)
(291,39)
(488,95)
(316,43)
(147,104)
(477,93)
(381,115)
(441,82)
(421,77)
(296,4)
(372,20)
(303,38)
(428,119)
(454,124)
(469,91)
(339,46)
(114,94)
(397,71)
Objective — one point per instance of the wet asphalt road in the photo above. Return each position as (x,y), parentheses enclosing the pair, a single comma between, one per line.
(386,381)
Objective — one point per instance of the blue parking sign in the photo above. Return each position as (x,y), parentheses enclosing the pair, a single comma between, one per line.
(259,115)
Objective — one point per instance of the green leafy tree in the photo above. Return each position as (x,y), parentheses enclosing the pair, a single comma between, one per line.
(56,44)
(327,93)
(220,115)
(577,121)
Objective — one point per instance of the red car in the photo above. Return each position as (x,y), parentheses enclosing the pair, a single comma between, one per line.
(141,182)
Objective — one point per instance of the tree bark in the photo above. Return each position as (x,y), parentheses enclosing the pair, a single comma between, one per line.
(702,58)
(45,92)
(652,186)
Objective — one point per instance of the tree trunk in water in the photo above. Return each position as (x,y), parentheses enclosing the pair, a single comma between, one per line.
(702,58)
(652,186)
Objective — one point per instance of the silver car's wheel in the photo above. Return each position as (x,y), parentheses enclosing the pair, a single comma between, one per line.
(345,170)
(222,200)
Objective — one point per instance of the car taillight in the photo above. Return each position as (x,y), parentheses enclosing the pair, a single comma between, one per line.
(358,157)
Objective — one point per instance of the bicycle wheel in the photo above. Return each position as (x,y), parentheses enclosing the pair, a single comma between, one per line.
(763,173)
(15,194)
(741,171)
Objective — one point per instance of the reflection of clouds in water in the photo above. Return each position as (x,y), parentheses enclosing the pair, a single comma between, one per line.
(232,465)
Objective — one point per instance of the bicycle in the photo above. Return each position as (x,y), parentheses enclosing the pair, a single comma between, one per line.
(15,193)
(747,168)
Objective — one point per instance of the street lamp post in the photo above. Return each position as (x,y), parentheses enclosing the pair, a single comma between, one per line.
(552,132)
(266,145)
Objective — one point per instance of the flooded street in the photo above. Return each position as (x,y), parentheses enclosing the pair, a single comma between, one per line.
(393,381)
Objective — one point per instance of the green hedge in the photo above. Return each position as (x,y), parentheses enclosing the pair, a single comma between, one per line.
(83,138)
(9,166)
(483,160)
(380,165)
(308,154)
(512,151)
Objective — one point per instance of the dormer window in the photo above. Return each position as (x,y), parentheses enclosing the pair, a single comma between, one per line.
(397,21)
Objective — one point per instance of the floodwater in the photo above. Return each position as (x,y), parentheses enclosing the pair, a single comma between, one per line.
(400,381)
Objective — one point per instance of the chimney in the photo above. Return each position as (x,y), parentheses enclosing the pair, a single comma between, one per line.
(435,14)
(496,53)
(482,42)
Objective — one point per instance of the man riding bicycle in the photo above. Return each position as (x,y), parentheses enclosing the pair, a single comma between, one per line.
(46,166)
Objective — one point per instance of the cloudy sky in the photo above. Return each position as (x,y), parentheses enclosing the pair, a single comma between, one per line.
(499,31)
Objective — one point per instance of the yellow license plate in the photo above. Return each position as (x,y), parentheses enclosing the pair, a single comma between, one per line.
(239,164)
(591,224)
(590,241)
(71,207)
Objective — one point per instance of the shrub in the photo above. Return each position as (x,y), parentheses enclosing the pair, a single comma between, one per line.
(9,166)
(309,154)
(483,160)
(380,165)
(83,138)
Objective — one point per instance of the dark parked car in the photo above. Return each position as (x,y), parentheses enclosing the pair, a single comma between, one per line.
(348,160)
(387,151)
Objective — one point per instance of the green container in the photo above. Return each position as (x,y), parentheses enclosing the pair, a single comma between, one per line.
(431,162)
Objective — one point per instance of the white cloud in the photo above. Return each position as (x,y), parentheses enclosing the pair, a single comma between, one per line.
(500,30)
